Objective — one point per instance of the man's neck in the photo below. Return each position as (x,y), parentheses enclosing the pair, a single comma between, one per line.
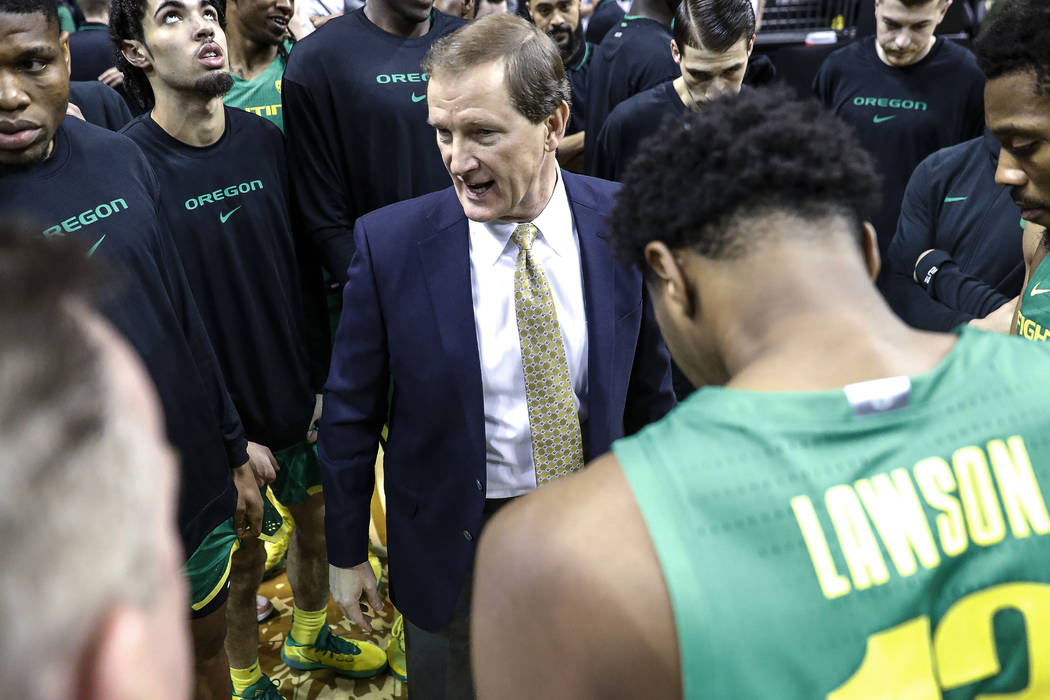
(97,19)
(546,182)
(925,52)
(379,14)
(190,118)
(249,58)
(794,336)
(682,90)
(652,9)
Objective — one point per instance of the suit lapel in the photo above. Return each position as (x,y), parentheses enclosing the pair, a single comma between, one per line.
(445,261)
(599,302)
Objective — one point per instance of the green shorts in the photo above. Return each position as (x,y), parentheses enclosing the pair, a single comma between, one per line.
(208,568)
(299,476)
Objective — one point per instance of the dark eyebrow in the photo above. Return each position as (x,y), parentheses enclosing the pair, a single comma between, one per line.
(169,3)
(41,51)
(1014,130)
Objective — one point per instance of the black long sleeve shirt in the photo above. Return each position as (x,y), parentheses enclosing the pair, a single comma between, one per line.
(227,208)
(953,207)
(634,56)
(98,188)
(355,116)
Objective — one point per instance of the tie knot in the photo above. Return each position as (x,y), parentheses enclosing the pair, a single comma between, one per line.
(524,235)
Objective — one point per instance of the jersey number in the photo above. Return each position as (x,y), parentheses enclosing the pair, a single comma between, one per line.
(902,663)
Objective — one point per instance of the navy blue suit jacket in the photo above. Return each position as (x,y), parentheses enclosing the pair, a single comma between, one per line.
(406,354)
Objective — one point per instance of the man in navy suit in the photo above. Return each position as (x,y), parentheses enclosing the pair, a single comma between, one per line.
(488,325)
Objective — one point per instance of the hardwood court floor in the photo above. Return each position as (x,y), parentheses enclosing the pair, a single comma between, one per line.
(323,685)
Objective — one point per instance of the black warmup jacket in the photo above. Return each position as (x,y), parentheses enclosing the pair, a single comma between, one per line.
(227,208)
(902,115)
(355,117)
(953,206)
(98,188)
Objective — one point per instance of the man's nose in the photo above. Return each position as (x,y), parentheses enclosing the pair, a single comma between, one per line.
(13,96)
(1007,174)
(203,29)
(462,160)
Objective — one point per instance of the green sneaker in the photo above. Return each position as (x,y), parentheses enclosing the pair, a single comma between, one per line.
(345,657)
(262,689)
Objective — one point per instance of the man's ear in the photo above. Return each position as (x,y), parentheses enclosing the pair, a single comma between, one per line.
(870,246)
(676,55)
(469,11)
(135,53)
(944,11)
(63,40)
(556,124)
(111,667)
(751,45)
(666,268)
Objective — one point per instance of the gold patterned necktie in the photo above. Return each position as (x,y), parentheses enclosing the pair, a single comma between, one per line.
(557,448)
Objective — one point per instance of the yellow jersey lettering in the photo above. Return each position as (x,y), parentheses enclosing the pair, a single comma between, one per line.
(861,551)
(935,480)
(832,583)
(893,505)
(1018,487)
(980,504)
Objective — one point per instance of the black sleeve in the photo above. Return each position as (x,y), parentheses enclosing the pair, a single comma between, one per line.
(117,112)
(319,202)
(915,235)
(822,84)
(174,279)
(606,150)
(973,125)
(315,329)
(958,290)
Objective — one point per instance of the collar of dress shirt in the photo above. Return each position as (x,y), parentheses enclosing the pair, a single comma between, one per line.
(554,224)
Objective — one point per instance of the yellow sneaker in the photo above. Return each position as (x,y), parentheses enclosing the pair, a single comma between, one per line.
(395,650)
(277,550)
(377,569)
(347,658)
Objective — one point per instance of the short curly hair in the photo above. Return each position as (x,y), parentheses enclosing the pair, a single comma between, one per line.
(125,24)
(740,156)
(1016,37)
(47,8)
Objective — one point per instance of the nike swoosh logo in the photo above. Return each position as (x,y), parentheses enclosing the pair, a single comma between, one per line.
(419,98)
(227,215)
(949,200)
(1036,291)
(878,120)
(92,249)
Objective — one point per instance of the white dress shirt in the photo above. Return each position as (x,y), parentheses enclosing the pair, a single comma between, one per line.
(493,256)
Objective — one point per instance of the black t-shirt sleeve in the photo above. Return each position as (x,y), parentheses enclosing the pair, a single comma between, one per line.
(178,287)
(960,290)
(607,148)
(319,203)
(100,104)
(915,235)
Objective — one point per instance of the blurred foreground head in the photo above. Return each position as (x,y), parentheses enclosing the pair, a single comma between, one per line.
(91,597)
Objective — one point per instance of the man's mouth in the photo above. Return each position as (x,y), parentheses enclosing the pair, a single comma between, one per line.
(478,190)
(17,135)
(280,20)
(211,56)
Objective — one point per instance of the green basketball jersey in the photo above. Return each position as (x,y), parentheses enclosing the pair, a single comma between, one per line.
(262,94)
(886,540)
(1033,318)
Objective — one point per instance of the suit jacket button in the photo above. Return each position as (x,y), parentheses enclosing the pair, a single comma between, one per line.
(467,536)
(477,484)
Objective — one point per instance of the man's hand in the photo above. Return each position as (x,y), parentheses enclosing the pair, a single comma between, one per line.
(247,521)
(1000,320)
(311,434)
(320,20)
(263,463)
(347,586)
(74,111)
(112,77)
